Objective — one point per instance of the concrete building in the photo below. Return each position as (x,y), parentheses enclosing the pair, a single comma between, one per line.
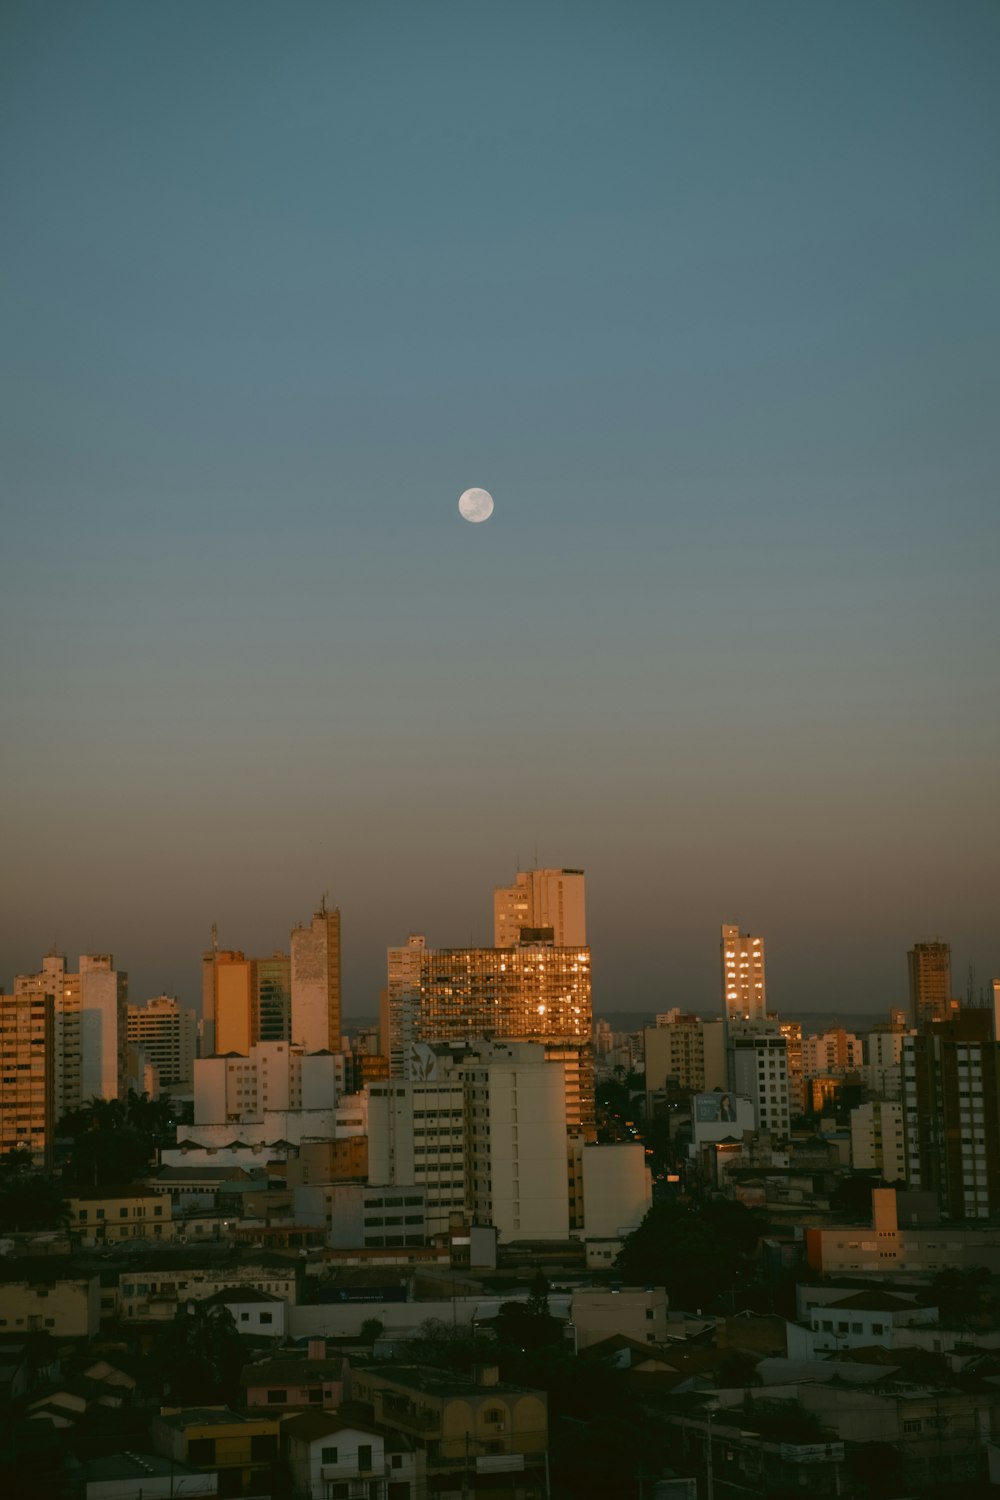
(758,1069)
(831,1054)
(240,1450)
(27,1075)
(541,899)
(951,1111)
(534,992)
(929,971)
(416,1134)
(315,978)
(48,1298)
(168,1035)
(107,1214)
(634,1312)
(883,1248)
(617,1188)
(364,1216)
(89,1015)
(880,1072)
(277,1091)
(479,1430)
(228,998)
(330,1455)
(877,1139)
(516,1153)
(686,1049)
(744,990)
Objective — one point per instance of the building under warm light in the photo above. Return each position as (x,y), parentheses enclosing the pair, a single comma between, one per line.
(167,1034)
(929,970)
(744,992)
(315,975)
(534,991)
(89,1013)
(553,899)
(27,1076)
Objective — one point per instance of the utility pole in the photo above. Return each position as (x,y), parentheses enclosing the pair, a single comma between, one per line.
(709,1477)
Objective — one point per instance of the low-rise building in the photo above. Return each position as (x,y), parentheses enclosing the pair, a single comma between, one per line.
(107,1214)
(127,1476)
(470,1430)
(334,1456)
(240,1450)
(289,1381)
(46,1296)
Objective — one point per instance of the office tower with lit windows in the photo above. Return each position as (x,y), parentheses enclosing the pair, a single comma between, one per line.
(538,900)
(167,1034)
(535,991)
(27,1075)
(272,979)
(929,970)
(315,982)
(744,991)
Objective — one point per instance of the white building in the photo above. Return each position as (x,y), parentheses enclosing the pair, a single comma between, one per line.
(330,1455)
(516,1155)
(315,974)
(758,1063)
(416,1134)
(367,1216)
(878,1142)
(617,1188)
(880,1072)
(744,991)
(279,1091)
(538,899)
(168,1035)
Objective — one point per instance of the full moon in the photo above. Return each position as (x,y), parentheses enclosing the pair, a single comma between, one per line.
(476,505)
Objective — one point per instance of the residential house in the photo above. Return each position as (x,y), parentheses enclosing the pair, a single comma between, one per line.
(241,1450)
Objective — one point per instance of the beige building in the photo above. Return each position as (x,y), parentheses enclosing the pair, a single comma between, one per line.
(315,978)
(831,1054)
(928,968)
(27,1075)
(758,1062)
(685,1048)
(468,1429)
(744,991)
(67,1307)
(617,1188)
(552,899)
(877,1139)
(277,1091)
(89,1015)
(634,1312)
(107,1214)
(416,1134)
(167,1034)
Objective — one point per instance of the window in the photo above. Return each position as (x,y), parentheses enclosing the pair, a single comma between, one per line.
(267,1317)
(913,1425)
(328,1455)
(263,1448)
(277,1398)
(364,1456)
(201,1451)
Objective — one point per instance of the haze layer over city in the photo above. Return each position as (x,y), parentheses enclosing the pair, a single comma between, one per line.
(704,297)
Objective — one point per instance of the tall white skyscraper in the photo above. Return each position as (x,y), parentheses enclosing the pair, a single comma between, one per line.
(744,992)
(539,899)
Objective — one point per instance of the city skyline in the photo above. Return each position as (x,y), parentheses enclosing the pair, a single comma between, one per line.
(705,298)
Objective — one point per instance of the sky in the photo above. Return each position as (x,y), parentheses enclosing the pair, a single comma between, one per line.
(706,296)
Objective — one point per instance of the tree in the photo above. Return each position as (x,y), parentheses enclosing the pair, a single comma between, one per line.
(197,1358)
(32,1203)
(371,1329)
(853,1196)
(112,1141)
(696,1255)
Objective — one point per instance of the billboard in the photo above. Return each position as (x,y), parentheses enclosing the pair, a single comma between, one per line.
(714,1109)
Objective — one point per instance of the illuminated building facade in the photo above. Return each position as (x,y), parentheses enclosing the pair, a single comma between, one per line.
(27,1075)
(167,1034)
(540,899)
(744,991)
(315,976)
(929,970)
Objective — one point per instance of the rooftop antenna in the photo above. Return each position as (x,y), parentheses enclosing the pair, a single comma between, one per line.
(215,937)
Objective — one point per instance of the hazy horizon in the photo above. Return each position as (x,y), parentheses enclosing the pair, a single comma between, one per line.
(706,297)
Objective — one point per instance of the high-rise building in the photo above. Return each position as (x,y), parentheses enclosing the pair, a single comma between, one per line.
(229,999)
(877,1139)
(516,1161)
(90,1020)
(929,970)
(539,900)
(273,997)
(167,1034)
(535,991)
(951,1113)
(27,1075)
(744,992)
(686,1050)
(758,1069)
(315,975)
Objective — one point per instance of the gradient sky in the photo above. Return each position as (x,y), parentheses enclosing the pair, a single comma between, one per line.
(707,296)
